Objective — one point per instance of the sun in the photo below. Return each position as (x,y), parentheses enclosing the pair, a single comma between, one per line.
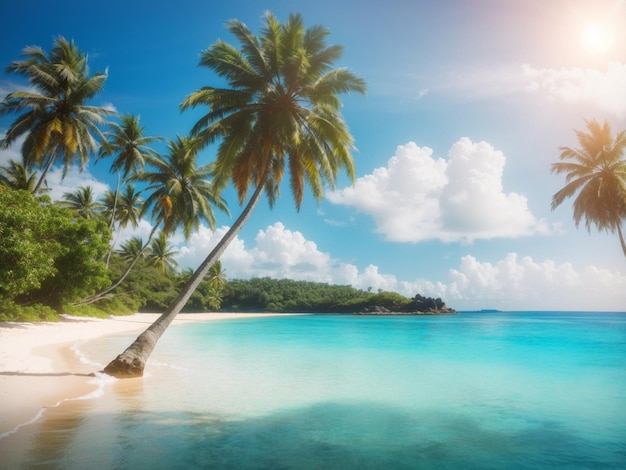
(597,38)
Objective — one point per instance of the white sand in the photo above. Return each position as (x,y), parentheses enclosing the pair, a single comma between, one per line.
(38,368)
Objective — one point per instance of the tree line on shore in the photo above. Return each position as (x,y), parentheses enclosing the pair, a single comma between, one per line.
(53,257)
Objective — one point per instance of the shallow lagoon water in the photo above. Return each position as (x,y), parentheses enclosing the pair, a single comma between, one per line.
(516,390)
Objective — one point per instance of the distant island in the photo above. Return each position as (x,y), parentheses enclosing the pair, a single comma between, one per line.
(290,296)
(419,306)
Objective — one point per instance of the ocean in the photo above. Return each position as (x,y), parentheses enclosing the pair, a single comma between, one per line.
(522,390)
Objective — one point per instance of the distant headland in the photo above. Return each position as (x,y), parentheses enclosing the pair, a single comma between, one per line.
(419,306)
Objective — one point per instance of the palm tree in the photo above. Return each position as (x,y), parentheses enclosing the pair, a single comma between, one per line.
(124,209)
(54,117)
(129,205)
(179,196)
(281,110)
(130,148)
(217,282)
(217,276)
(16,176)
(82,203)
(596,172)
(131,249)
(184,276)
(162,254)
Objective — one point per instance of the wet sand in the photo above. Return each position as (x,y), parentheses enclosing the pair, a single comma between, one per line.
(39,370)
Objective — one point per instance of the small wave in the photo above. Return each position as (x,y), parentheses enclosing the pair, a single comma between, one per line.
(100,380)
(165,364)
(82,357)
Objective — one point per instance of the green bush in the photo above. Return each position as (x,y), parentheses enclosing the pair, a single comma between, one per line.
(48,256)
(9,311)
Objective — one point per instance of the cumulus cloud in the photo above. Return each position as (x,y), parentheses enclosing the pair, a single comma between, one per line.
(12,153)
(72,181)
(513,282)
(523,283)
(604,90)
(417,197)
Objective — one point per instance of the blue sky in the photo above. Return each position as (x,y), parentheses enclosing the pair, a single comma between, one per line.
(468,103)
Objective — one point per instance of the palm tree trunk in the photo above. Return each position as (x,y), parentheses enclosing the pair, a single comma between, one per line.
(93,298)
(621,237)
(44,173)
(132,361)
(112,223)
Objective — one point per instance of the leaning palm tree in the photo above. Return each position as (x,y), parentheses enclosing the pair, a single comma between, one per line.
(281,111)
(82,203)
(596,174)
(180,196)
(52,114)
(16,176)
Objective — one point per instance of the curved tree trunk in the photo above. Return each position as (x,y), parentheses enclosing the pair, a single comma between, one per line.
(621,237)
(94,298)
(44,173)
(132,361)
(112,223)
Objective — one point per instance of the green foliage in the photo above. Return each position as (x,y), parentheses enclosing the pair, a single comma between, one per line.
(391,301)
(286,295)
(53,116)
(144,289)
(78,263)
(48,257)
(27,249)
(10,311)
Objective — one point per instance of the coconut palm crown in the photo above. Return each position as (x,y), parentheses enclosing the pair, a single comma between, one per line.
(595,174)
(53,116)
(281,109)
(180,193)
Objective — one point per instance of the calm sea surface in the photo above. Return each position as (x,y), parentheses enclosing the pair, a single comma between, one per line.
(471,391)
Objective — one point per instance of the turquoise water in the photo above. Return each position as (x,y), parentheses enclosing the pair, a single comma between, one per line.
(471,391)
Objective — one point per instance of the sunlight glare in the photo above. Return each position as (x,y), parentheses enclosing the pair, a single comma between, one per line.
(597,38)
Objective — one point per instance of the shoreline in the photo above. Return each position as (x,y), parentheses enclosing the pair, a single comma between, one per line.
(40,366)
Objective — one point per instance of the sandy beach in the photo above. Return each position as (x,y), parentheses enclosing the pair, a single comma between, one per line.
(39,369)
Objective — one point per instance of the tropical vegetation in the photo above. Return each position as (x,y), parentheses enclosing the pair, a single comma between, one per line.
(53,115)
(595,175)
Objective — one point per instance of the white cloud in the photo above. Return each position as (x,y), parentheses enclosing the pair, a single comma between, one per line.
(12,153)
(142,231)
(72,181)
(512,283)
(417,197)
(110,107)
(604,90)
